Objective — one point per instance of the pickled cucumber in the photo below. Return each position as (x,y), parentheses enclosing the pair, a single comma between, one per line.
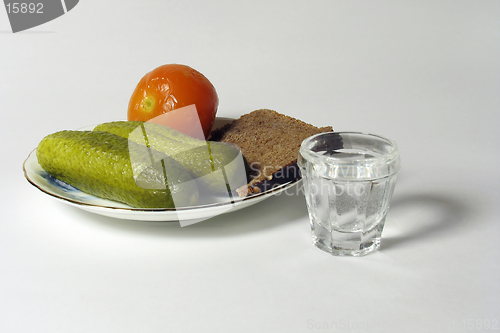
(112,167)
(216,165)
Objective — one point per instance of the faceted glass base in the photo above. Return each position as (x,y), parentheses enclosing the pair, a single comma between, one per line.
(352,249)
(348,244)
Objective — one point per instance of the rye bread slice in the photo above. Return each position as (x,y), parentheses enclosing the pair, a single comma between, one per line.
(270,142)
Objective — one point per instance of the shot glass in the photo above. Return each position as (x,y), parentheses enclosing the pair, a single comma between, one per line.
(349,179)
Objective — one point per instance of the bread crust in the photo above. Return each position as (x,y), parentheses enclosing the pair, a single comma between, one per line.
(270,142)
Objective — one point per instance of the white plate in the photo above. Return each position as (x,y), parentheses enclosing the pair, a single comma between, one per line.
(185,215)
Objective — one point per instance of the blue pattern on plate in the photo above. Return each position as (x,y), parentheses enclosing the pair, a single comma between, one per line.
(67,189)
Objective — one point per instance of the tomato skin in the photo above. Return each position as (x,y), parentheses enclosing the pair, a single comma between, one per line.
(170,87)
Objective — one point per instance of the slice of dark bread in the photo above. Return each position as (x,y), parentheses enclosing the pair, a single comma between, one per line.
(270,142)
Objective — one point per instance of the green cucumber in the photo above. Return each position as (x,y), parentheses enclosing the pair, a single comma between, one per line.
(112,167)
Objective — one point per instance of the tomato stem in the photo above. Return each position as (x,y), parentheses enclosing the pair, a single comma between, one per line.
(148,104)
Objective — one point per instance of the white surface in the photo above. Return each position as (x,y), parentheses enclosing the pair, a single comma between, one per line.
(424,73)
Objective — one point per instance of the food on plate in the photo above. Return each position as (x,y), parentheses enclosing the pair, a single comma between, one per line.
(217,166)
(170,87)
(147,165)
(270,142)
(166,148)
(112,167)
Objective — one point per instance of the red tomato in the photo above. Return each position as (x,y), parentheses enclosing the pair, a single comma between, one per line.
(172,87)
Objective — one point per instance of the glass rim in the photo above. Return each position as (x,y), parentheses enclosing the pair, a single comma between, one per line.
(384,158)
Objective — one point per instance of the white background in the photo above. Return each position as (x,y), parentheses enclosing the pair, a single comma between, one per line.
(424,73)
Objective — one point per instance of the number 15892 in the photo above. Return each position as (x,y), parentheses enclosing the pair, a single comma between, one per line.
(24,7)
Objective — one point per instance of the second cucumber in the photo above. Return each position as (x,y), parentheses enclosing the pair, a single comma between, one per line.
(218,166)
